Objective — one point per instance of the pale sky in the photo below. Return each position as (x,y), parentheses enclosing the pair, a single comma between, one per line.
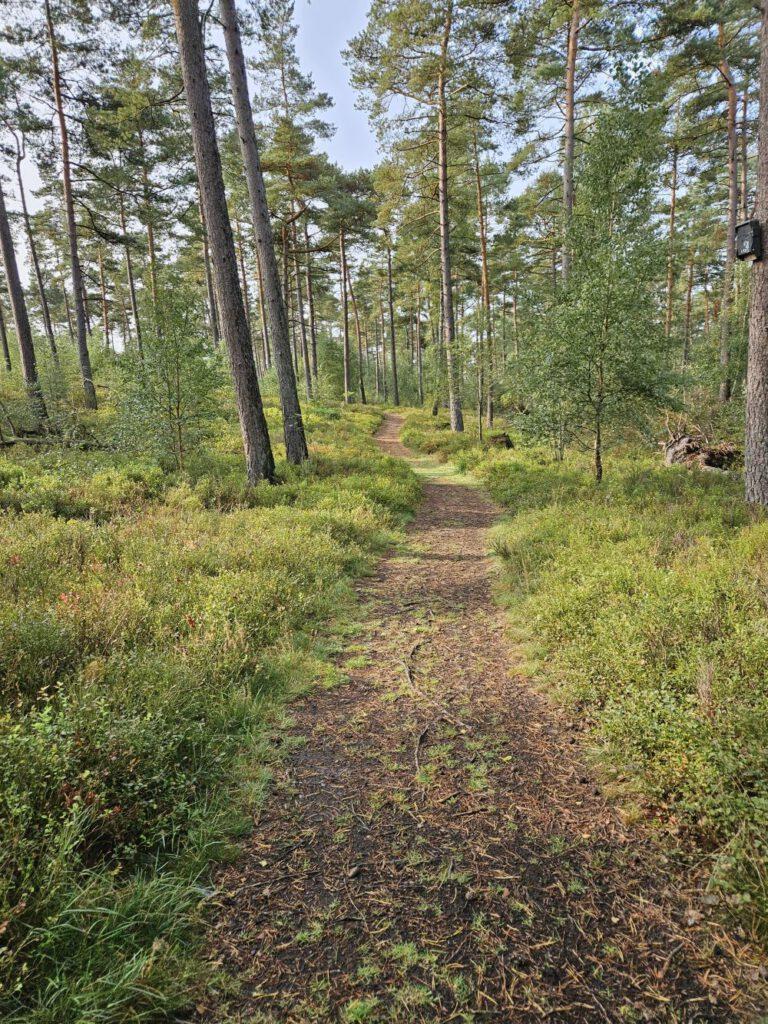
(325,26)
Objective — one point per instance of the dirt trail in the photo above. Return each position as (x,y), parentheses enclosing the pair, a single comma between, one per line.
(436,851)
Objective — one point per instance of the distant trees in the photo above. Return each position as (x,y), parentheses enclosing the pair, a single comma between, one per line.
(448,273)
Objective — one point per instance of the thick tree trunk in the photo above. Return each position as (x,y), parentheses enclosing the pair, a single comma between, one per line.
(392,337)
(20,317)
(4,342)
(258,452)
(671,245)
(569,146)
(756,447)
(344,314)
(84,356)
(726,385)
(293,425)
(44,307)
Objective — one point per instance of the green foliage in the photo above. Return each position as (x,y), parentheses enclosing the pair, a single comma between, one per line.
(601,357)
(643,605)
(149,624)
(167,402)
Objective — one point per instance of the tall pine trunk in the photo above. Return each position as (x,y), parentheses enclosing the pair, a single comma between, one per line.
(4,342)
(293,425)
(84,356)
(300,313)
(392,338)
(253,425)
(756,447)
(311,305)
(44,307)
(131,278)
(485,287)
(726,384)
(419,354)
(20,317)
(449,323)
(569,146)
(359,335)
(344,314)
(671,245)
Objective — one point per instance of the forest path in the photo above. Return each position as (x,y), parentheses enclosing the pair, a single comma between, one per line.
(434,850)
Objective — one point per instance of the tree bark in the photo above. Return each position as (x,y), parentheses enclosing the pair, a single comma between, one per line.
(671,246)
(570,130)
(419,354)
(258,451)
(392,338)
(131,279)
(300,314)
(84,356)
(344,314)
(744,192)
(688,308)
(213,313)
(104,303)
(726,385)
(311,305)
(485,288)
(756,446)
(20,317)
(293,425)
(359,334)
(44,307)
(449,324)
(4,342)
(383,347)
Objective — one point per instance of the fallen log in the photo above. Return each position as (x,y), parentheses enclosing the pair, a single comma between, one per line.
(695,449)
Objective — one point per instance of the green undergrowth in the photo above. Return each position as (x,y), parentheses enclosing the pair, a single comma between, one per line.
(643,605)
(151,626)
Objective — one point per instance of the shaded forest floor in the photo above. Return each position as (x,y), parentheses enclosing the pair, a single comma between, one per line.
(434,848)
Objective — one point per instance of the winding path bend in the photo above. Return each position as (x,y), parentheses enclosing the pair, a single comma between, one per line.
(435,850)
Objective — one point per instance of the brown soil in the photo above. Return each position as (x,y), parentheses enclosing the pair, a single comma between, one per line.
(436,851)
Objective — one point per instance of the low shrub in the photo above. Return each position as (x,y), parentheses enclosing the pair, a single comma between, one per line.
(149,624)
(642,602)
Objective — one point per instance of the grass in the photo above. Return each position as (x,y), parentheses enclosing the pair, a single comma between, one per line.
(152,624)
(642,605)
